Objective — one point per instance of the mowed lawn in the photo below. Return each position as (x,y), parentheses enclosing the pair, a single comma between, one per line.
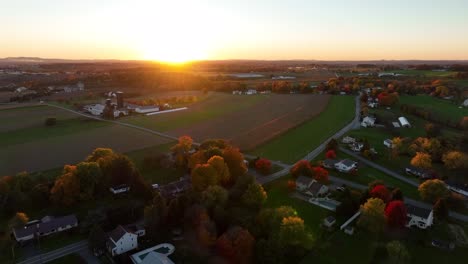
(444,108)
(217,104)
(296,143)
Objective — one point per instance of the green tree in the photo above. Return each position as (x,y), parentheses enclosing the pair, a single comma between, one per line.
(155,216)
(433,190)
(214,196)
(203,176)
(292,232)
(372,216)
(254,196)
(441,211)
(397,253)
(97,240)
(89,174)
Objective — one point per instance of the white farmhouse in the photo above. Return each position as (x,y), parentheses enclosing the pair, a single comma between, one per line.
(121,241)
(94,109)
(465,103)
(346,165)
(368,121)
(419,217)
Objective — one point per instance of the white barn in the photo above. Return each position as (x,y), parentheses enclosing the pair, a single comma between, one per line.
(404,122)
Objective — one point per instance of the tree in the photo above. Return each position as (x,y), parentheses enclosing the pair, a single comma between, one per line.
(433,190)
(181,150)
(320,174)
(263,166)
(19,220)
(50,121)
(455,160)
(203,176)
(155,215)
(422,160)
(292,232)
(214,196)
(372,216)
(254,196)
(330,154)
(332,145)
(430,146)
(441,211)
(66,190)
(396,214)
(88,174)
(397,147)
(397,194)
(302,168)
(397,253)
(97,240)
(196,159)
(380,191)
(291,185)
(432,130)
(235,161)
(118,169)
(222,170)
(99,153)
(236,245)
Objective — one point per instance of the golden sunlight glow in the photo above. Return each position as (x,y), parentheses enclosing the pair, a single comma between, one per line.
(178,51)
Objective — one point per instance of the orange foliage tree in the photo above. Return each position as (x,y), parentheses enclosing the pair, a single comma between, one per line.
(236,245)
(303,168)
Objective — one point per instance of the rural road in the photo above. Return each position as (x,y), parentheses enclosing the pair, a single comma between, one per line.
(58,253)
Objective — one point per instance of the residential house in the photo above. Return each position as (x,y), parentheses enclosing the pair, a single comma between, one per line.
(302,183)
(137,229)
(419,217)
(368,121)
(418,172)
(329,222)
(173,189)
(94,109)
(329,163)
(348,140)
(154,255)
(316,189)
(356,146)
(74,88)
(458,188)
(120,189)
(237,92)
(346,165)
(46,226)
(120,241)
(251,91)
(404,122)
(349,230)
(21,89)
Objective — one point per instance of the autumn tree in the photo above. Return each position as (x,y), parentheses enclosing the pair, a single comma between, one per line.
(214,196)
(203,176)
(433,190)
(380,191)
(97,239)
(422,160)
(197,158)
(263,166)
(117,169)
(455,160)
(181,150)
(302,168)
(320,174)
(19,220)
(222,170)
(372,216)
(66,190)
(236,245)
(99,153)
(254,196)
(432,130)
(155,216)
(235,161)
(441,211)
(88,174)
(330,154)
(430,146)
(293,233)
(396,214)
(397,194)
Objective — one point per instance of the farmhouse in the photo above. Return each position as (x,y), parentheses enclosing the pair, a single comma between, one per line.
(404,122)
(346,165)
(119,189)
(368,121)
(94,109)
(120,241)
(73,88)
(154,255)
(419,217)
(251,91)
(46,226)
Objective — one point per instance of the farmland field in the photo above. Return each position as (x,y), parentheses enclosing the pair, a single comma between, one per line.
(297,142)
(444,108)
(251,126)
(27,144)
(424,73)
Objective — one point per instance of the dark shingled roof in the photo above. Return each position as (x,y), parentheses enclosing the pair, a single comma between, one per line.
(303,180)
(418,211)
(315,188)
(117,233)
(348,162)
(47,225)
(329,162)
(25,231)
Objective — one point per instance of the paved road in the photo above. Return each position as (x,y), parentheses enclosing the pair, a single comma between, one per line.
(58,253)
(379,167)
(416,203)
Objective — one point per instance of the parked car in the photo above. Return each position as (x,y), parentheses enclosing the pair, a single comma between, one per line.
(443,244)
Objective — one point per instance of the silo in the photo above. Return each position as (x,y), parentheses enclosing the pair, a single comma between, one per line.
(119,100)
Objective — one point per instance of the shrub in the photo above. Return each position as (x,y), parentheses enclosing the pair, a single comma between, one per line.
(263,166)
(50,121)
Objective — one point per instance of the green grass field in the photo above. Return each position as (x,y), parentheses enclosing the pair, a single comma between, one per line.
(442,107)
(207,110)
(296,143)
(69,259)
(424,73)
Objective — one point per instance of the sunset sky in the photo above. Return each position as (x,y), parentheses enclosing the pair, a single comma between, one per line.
(238,29)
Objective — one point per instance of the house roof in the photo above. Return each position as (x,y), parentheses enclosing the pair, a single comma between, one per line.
(348,162)
(416,169)
(149,107)
(418,211)
(330,162)
(175,187)
(25,231)
(315,187)
(46,225)
(303,180)
(330,219)
(117,233)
